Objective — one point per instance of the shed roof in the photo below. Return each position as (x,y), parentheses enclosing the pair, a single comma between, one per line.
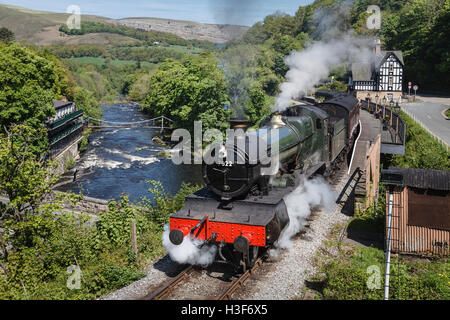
(418,178)
(345,100)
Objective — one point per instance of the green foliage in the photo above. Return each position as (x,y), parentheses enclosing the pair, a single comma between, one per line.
(345,278)
(251,77)
(189,90)
(86,101)
(149,54)
(24,177)
(43,245)
(422,150)
(29,83)
(163,204)
(148,36)
(419,29)
(334,86)
(84,142)
(373,218)
(139,86)
(6,35)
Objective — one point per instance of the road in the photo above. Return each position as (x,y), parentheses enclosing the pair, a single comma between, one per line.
(429,113)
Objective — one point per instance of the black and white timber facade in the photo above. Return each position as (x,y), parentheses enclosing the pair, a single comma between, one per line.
(380,80)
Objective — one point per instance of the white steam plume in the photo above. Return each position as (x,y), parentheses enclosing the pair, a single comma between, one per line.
(190,251)
(308,195)
(310,66)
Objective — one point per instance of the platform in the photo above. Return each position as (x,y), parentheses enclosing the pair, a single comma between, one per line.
(376,137)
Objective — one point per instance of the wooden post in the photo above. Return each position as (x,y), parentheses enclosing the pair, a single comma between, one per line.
(396,131)
(133,237)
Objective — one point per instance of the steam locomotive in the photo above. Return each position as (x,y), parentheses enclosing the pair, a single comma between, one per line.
(241,210)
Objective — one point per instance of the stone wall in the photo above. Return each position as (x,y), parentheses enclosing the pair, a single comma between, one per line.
(66,155)
(85,205)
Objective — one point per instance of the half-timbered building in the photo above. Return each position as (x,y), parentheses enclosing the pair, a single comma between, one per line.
(381,79)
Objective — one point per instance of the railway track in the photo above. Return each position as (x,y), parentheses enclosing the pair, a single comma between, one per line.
(164,291)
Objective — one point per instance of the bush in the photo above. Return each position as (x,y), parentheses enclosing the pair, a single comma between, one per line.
(422,150)
(44,245)
(345,277)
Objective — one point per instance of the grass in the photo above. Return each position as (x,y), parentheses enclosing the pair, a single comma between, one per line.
(357,273)
(14,18)
(118,63)
(422,150)
(183,49)
(447,113)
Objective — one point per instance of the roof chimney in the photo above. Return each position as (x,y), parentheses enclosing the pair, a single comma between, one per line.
(377,47)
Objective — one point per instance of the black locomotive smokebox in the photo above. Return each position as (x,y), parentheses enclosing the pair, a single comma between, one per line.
(239,123)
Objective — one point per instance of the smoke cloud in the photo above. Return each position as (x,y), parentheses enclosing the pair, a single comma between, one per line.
(234,12)
(191,251)
(310,194)
(330,22)
(308,67)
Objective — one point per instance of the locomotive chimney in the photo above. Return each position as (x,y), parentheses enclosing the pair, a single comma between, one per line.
(239,123)
(277,121)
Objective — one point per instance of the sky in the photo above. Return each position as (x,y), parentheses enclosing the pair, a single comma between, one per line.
(240,12)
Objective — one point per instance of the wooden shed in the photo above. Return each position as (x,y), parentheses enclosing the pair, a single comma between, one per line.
(420,210)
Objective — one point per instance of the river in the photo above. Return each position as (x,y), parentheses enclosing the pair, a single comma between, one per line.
(123,160)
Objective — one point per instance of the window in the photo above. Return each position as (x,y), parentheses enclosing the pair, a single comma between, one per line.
(391,81)
(391,67)
(429,209)
(318,124)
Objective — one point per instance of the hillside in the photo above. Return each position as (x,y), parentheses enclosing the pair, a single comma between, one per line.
(186,29)
(41,28)
(37,27)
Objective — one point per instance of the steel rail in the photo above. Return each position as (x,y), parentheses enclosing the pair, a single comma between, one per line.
(238,283)
(165,290)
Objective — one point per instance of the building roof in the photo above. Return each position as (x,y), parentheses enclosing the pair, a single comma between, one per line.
(417,178)
(61,104)
(379,59)
(363,71)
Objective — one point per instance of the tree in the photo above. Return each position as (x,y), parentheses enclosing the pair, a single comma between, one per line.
(86,101)
(24,175)
(189,90)
(28,85)
(6,35)
(420,30)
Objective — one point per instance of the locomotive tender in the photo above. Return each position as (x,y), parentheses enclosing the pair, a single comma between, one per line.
(242,210)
